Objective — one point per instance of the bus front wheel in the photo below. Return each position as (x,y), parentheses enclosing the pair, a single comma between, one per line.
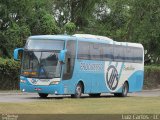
(125,90)
(42,95)
(78,91)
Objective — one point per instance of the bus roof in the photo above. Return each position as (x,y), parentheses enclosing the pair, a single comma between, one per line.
(52,37)
(106,39)
(89,36)
(85,37)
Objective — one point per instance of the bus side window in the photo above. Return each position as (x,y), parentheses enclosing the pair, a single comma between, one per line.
(107,52)
(84,50)
(129,54)
(118,53)
(95,52)
(138,55)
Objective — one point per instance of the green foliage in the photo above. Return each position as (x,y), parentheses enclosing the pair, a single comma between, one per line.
(21,19)
(48,24)
(152,75)
(14,37)
(44,23)
(143,24)
(79,12)
(9,72)
(70,28)
(122,20)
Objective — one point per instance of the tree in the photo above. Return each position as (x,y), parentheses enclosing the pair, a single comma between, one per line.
(43,23)
(144,26)
(20,19)
(70,28)
(122,20)
(77,11)
(111,19)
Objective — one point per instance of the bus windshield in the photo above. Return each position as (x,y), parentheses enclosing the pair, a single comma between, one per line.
(38,64)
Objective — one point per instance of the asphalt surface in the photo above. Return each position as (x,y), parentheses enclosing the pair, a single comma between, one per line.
(14,96)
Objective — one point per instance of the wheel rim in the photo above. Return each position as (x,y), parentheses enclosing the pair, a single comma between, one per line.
(125,89)
(78,90)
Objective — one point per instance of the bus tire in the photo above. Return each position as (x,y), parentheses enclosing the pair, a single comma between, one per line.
(42,95)
(125,90)
(78,91)
(95,95)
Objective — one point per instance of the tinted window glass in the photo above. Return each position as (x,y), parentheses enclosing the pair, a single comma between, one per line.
(83,50)
(119,53)
(128,54)
(133,54)
(107,51)
(138,55)
(95,53)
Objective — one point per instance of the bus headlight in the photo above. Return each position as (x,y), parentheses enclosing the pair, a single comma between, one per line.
(54,82)
(22,81)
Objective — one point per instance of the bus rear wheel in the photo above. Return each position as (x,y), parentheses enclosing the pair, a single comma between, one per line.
(42,95)
(78,91)
(95,95)
(124,93)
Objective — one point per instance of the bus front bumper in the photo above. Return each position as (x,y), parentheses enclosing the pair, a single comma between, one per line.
(48,89)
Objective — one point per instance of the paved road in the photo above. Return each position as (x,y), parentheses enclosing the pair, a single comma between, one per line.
(29,97)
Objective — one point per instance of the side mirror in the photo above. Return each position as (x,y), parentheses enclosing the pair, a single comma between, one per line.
(61,56)
(18,53)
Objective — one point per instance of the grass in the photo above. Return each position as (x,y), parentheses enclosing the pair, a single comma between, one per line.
(10,91)
(110,105)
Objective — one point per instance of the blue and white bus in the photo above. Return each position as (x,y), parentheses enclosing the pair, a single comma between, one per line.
(80,64)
